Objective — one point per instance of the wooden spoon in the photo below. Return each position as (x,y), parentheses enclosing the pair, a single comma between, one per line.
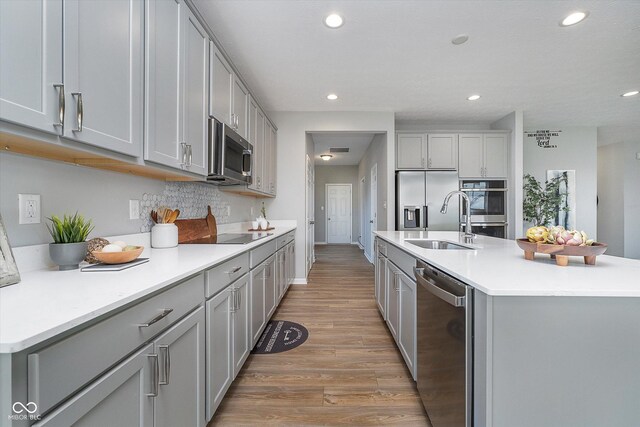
(173,216)
(154,216)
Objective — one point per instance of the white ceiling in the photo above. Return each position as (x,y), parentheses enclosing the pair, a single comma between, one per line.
(356,142)
(396,55)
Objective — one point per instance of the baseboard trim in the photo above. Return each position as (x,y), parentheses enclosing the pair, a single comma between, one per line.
(299,281)
(368,258)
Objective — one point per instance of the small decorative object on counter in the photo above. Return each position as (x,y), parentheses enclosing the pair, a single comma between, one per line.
(121,256)
(9,274)
(95,244)
(164,235)
(69,235)
(560,244)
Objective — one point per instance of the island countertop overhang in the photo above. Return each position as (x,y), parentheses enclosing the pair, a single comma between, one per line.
(497,267)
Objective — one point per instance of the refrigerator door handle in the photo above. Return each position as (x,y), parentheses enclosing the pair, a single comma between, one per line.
(426,217)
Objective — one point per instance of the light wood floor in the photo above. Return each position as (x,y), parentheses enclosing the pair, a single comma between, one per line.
(349,372)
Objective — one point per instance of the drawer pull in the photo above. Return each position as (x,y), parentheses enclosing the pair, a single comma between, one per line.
(165,313)
(156,375)
(234,270)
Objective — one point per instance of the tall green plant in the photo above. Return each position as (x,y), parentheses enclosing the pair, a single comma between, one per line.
(541,204)
(69,229)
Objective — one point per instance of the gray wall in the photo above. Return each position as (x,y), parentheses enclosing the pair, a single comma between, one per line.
(577,150)
(335,175)
(376,153)
(100,195)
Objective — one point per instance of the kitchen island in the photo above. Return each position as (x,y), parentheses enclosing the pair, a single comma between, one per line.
(550,345)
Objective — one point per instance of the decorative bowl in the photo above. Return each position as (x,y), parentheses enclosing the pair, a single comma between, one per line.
(118,257)
(561,253)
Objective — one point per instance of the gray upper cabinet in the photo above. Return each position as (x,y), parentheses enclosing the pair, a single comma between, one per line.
(103,73)
(256,138)
(164,83)
(31,91)
(410,151)
(196,73)
(442,151)
(483,155)
(240,107)
(273,166)
(221,86)
(177,49)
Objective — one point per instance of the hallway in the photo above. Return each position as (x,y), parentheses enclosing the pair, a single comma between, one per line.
(349,371)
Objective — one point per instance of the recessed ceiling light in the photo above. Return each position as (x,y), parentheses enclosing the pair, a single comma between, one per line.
(473,98)
(334,21)
(574,18)
(332,97)
(459,39)
(326,157)
(632,93)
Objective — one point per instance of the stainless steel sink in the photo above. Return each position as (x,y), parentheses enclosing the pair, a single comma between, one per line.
(437,244)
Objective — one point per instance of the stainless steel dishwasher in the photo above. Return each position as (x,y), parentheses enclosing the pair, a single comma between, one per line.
(444,347)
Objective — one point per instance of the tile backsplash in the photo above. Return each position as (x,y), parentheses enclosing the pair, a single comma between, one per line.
(192,199)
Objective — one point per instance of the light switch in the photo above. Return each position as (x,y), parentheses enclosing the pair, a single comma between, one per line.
(28,209)
(134,209)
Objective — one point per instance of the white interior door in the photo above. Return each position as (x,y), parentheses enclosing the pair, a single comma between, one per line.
(374,205)
(338,213)
(363,236)
(310,256)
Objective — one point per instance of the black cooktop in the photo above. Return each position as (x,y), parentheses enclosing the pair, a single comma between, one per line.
(230,238)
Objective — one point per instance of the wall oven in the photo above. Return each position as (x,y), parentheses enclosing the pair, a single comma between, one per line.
(229,155)
(488,207)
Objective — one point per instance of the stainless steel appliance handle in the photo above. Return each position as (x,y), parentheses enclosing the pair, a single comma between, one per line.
(451,299)
(426,217)
(165,313)
(244,154)
(156,375)
(167,361)
(60,88)
(79,110)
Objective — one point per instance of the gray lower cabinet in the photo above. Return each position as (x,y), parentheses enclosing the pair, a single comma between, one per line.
(241,323)
(407,320)
(219,370)
(281,273)
(291,262)
(393,306)
(270,287)
(381,284)
(118,398)
(180,399)
(256,291)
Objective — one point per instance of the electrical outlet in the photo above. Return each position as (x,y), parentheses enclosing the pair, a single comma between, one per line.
(28,209)
(134,209)
(638,155)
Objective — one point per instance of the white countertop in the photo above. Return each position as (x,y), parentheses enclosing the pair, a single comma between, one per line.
(497,267)
(48,302)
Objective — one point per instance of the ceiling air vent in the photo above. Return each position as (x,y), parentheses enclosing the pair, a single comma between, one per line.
(338,150)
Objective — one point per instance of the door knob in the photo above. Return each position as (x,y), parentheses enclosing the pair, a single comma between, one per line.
(328,219)
(371,221)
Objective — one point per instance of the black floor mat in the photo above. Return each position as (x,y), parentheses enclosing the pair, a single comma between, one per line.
(279,336)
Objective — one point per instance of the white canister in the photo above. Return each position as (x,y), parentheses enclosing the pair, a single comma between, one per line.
(264,224)
(255,225)
(164,236)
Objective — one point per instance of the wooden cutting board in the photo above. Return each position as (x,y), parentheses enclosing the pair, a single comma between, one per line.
(196,229)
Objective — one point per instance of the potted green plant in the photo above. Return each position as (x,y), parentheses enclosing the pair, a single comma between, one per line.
(541,204)
(69,235)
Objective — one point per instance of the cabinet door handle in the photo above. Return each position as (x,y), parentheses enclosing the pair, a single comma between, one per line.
(422,162)
(60,88)
(239,300)
(156,375)
(233,120)
(165,313)
(190,155)
(233,300)
(429,162)
(167,364)
(79,110)
(183,148)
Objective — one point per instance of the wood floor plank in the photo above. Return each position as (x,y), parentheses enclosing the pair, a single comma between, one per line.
(348,372)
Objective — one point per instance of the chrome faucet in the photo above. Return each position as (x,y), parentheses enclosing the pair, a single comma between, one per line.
(468,235)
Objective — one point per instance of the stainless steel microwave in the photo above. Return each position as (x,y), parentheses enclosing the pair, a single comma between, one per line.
(229,155)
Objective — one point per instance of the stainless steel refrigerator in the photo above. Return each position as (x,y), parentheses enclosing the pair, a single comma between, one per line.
(419,197)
